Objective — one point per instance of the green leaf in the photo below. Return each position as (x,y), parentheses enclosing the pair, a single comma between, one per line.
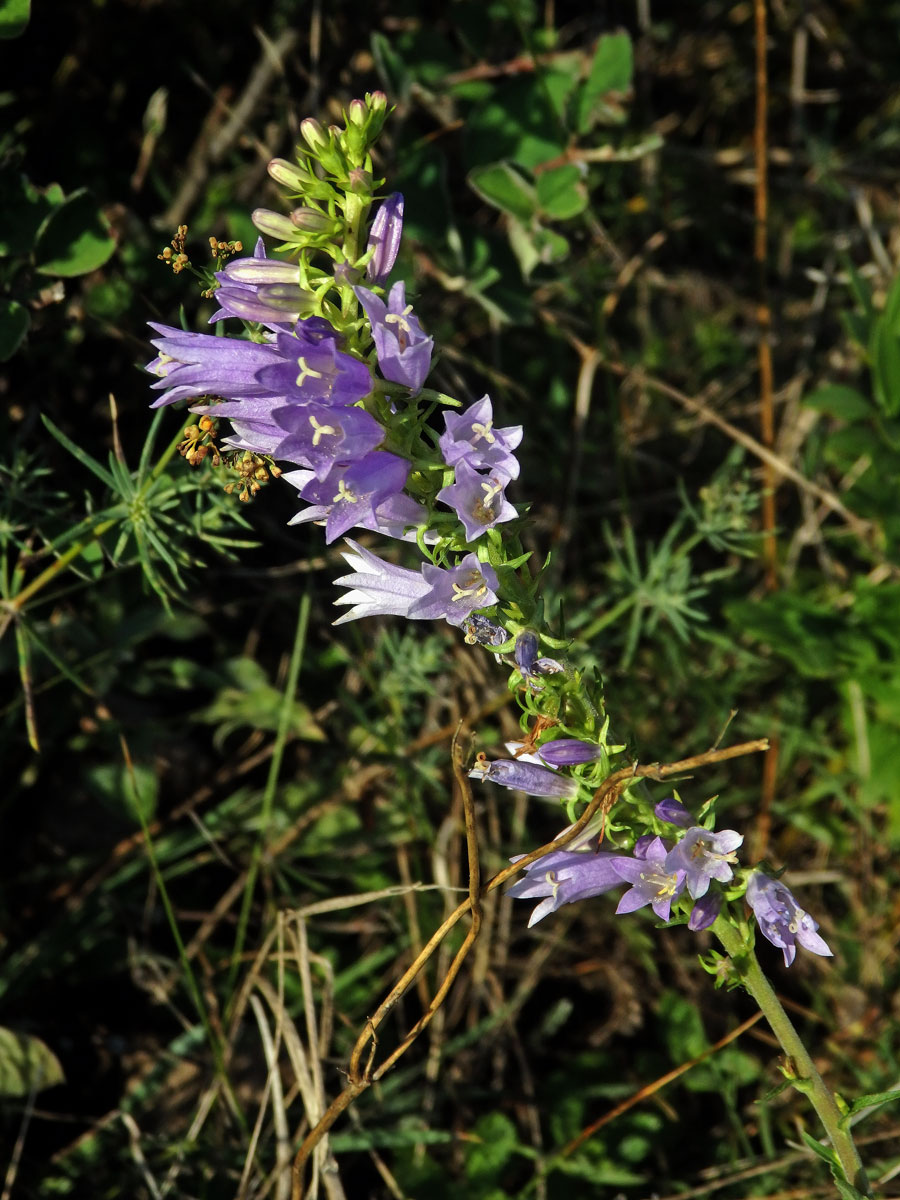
(14,15)
(74,239)
(561,192)
(501,185)
(14,322)
(611,72)
(83,457)
(839,401)
(135,790)
(390,66)
(24,209)
(873,1100)
(824,1152)
(26,1064)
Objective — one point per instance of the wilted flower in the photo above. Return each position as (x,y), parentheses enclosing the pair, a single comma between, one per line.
(471,437)
(652,881)
(527,660)
(564,876)
(402,348)
(525,777)
(781,919)
(703,856)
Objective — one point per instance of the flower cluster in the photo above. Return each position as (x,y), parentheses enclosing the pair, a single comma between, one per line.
(326,373)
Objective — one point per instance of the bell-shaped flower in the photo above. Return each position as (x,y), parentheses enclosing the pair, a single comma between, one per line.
(478,500)
(197,364)
(352,492)
(402,348)
(384,238)
(673,812)
(311,368)
(652,881)
(261,289)
(398,516)
(377,587)
(564,876)
(525,777)
(457,591)
(320,435)
(704,856)
(470,437)
(781,919)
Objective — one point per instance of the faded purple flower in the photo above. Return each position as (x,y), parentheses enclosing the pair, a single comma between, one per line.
(703,856)
(525,777)
(471,437)
(458,591)
(482,630)
(705,911)
(478,500)
(384,238)
(402,348)
(352,492)
(569,752)
(564,876)
(377,587)
(673,812)
(261,289)
(319,435)
(652,882)
(526,655)
(781,919)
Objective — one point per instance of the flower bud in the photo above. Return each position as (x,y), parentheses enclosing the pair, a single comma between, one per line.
(274,224)
(314,135)
(310,220)
(361,181)
(288,175)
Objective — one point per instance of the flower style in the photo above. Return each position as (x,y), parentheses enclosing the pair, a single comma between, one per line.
(478,500)
(402,348)
(384,238)
(378,587)
(564,876)
(261,289)
(781,919)
(319,435)
(652,881)
(704,856)
(458,591)
(351,492)
(471,437)
(525,777)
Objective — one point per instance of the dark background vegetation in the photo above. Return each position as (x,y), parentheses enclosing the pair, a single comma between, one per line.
(159,677)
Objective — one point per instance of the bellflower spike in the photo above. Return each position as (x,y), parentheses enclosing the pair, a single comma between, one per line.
(705,911)
(471,437)
(377,587)
(781,919)
(384,238)
(525,777)
(402,348)
(319,435)
(652,881)
(456,592)
(478,500)
(703,856)
(352,492)
(673,812)
(568,752)
(261,289)
(197,364)
(564,876)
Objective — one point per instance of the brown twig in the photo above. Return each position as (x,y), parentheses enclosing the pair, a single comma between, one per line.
(361,1074)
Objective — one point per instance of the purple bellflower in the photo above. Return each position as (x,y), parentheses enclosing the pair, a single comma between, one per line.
(652,881)
(311,368)
(399,516)
(526,655)
(781,919)
(456,592)
(478,500)
(569,752)
(564,876)
(705,911)
(350,493)
(377,587)
(384,238)
(673,812)
(261,289)
(525,777)
(470,437)
(703,856)
(319,435)
(197,364)
(402,348)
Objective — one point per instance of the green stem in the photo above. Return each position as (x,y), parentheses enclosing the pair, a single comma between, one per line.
(60,564)
(808,1079)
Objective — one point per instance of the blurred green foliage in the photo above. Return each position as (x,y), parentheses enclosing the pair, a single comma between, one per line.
(579,227)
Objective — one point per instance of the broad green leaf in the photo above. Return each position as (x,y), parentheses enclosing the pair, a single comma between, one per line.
(501,185)
(14,322)
(24,209)
(611,74)
(74,239)
(14,15)
(839,401)
(519,124)
(561,192)
(26,1064)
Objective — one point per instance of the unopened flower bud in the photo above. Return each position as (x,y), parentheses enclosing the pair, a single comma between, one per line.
(357,113)
(384,238)
(288,174)
(274,224)
(313,134)
(310,220)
